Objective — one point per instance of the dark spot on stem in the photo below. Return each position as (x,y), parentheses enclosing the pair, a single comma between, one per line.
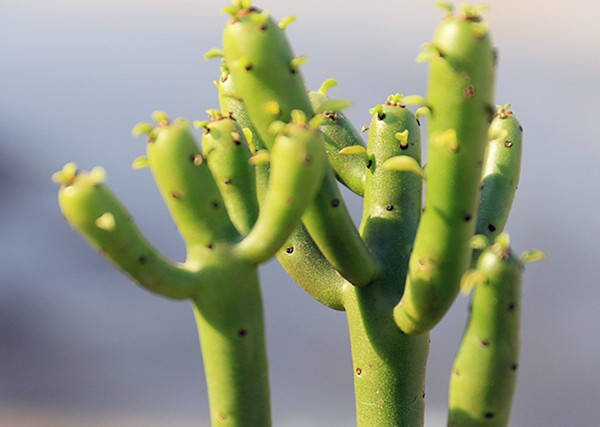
(418,122)
(358,371)
(495,56)
(142,259)
(206,130)
(491,227)
(248,67)
(242,333)
(307,159)
(485,343)
(423,395)
(369,163)
(331,115)
(489,415)
(508,143)
(511,306)
(514,367)
(263,27)
(210,246)
(521,128)
(222,416)
(175,195)
(215,204)
(469,91)
(289,250)
(389,207)
(290,200)
(227,181)
(292,70)
(456,372)
(380,116)
(335,203)
(467,218)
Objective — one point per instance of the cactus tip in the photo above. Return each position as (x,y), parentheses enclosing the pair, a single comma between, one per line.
(160,117)
(66,174)
(472,12)
(214,114)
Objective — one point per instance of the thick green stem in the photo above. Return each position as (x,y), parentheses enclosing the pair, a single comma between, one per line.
(485,370)
(268,80)
(389,366)
(460,92)
(231,328)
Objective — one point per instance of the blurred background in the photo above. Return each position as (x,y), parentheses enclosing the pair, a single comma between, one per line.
(80,345)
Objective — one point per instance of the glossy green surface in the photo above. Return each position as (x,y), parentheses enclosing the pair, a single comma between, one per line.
(460,93)
(484,375)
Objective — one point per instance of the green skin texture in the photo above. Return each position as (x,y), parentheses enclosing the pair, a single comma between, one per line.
(259,58)
(220,273)
(388,366)
(500,177)
(339,132)
(227,160)
(485,370)
(460,93)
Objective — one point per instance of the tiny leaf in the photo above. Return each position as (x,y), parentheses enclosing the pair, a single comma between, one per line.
(404,164)
(106,222)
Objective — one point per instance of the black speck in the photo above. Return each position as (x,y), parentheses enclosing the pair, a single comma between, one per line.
(248,67)
(227,181)
(369,163)
(380,116)
(242,333)
(489,415)
(511,306)
(215,204)
(467,218)
(142,259)
(491,227)
(485,343)
(389,207)
(289,250)
(514,367)
(335,203)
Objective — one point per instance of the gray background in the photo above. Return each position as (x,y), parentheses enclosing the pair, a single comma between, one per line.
(80,345)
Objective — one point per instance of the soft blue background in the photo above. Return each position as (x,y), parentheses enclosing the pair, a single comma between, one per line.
(80,345)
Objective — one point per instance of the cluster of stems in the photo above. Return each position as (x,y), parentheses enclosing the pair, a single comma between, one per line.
(265,183)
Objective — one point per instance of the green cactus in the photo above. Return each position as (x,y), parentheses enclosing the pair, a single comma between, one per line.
(224,236)
(484,375)
(264,184)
